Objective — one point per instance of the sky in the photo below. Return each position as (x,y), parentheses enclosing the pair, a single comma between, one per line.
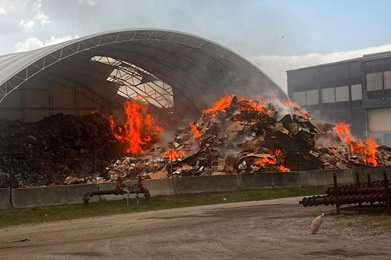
(276,35)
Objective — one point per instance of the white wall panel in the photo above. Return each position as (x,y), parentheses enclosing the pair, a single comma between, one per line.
(379,120)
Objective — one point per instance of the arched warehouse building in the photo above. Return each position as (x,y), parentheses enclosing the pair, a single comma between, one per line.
(180,73)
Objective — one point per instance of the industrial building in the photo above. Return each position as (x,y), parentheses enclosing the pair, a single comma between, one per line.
(356,91)
(178,73)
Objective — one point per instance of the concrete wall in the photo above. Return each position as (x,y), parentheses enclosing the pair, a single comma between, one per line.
(160,187)
(206,184)
(5,199)
(376,173)
(325,177)
(73,194)
(49,196)
(269,180)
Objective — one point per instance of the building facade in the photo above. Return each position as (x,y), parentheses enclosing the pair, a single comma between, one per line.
(356,91)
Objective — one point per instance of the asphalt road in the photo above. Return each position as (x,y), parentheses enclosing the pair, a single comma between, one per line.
(273,229)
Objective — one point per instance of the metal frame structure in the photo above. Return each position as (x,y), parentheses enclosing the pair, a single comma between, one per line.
(194,71)
(135,81)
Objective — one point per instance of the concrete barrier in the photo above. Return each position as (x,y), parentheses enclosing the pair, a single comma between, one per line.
(376,173)
(325,177)
(5,199)
(206,184)
(50,196)
(269,180)
(73,194)
(160,187)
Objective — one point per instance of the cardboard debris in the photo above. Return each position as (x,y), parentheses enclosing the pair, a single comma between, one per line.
(248,136)
(235,136)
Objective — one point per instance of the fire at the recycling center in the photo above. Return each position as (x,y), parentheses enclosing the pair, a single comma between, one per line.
(236,135)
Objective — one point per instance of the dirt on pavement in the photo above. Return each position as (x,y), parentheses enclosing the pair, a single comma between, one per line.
(273,229)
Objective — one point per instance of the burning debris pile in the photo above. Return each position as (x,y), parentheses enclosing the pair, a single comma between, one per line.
(241,135)
(48,151)
(235,136)
(140,130)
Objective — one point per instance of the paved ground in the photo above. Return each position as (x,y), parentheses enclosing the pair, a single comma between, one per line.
(274,229)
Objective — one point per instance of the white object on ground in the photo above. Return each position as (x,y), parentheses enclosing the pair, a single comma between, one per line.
(315,224)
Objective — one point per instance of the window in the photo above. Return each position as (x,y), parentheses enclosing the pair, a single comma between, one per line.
(387,79)
(374,81)
(312,97)
(356,92)
(342,94)
(328,95)
(299,97)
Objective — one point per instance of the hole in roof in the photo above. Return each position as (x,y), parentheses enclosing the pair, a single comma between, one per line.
(137,83)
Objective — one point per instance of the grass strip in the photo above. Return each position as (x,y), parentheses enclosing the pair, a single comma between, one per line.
(11,217)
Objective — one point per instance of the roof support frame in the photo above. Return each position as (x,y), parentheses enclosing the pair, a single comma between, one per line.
(162,61)
(73,52)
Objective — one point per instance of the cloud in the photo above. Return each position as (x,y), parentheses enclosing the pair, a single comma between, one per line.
(276,66)
(39,17)
(26,13)
(35,43)
(91,3)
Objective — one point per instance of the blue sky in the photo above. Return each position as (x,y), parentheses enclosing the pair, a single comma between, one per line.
(275,34)
(342,25)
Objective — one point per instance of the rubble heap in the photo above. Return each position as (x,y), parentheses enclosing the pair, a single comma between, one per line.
(48,151)
(235,136)
(241,135)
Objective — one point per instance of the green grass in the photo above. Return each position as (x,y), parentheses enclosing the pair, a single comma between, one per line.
(12,217)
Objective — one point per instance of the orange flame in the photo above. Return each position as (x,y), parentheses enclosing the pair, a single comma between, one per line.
(275,158)
(196,133)
(343,131)
(172,155)
(251,105)
(282,168)
(371,152)
(367,152)
(140,130)
(265,160)
(220,105)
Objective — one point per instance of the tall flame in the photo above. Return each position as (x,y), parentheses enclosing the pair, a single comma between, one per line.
(371,152)
(140,130)
(367,152)
(196,133)
(343,131)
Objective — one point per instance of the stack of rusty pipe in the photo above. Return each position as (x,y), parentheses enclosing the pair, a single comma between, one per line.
(375,193)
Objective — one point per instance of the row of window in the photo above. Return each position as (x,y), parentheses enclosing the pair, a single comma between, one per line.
(378,80)
(329,95)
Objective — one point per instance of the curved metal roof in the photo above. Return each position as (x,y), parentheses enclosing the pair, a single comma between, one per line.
(199,70)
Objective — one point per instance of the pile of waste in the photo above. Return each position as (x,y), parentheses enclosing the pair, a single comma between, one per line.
(59,146)
(240,135)
(237,135)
